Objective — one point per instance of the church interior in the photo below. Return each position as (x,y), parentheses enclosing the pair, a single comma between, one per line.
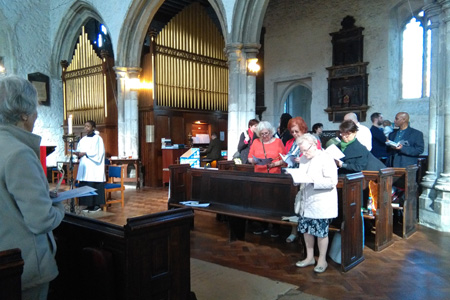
(159,77)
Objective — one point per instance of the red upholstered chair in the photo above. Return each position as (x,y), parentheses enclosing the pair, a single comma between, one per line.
(111,186)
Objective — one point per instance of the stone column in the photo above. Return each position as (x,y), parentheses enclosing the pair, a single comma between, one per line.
(432,12)
(434,203)
(127,112)
(241,95)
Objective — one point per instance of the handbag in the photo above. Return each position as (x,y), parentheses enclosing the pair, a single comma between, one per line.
(299,199)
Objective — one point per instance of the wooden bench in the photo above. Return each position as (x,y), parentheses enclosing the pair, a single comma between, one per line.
(265,197)
(406,178)
(382,219)
(11,269)
(147,258)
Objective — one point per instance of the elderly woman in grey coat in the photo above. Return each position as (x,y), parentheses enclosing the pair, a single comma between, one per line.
(27,214)
(319,204)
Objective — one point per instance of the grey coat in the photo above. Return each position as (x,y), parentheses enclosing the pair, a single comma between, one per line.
(27,215)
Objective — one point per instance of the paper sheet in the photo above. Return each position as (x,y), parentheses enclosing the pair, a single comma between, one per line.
(299,175)
(335,152)
(194,203)
(75,193)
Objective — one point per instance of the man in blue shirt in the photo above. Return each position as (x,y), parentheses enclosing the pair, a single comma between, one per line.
(410,140)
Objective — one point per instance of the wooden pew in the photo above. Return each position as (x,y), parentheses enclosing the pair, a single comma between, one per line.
(265,197)
(382,219)
(11,268)
(147,258)
(406,178)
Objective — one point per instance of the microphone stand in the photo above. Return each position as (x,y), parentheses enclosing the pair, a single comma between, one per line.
(71,139)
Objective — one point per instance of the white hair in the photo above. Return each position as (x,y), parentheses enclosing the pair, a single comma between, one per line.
(17,97)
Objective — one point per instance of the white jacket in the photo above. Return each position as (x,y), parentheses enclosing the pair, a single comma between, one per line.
(320,200)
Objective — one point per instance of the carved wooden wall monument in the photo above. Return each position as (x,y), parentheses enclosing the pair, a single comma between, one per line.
(348,78)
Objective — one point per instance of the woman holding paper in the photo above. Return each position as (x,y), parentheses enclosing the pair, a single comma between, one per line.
(357,157)
(297,127)
(265,152)
(27,213)
(91,171)
(319,202)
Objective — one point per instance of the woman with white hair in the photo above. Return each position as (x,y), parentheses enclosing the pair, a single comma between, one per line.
(27,213)
(267,147)
(319,200)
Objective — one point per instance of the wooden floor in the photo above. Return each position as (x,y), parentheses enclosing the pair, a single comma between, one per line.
(415,268)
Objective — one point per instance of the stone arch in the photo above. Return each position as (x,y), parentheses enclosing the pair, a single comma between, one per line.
(282,91)
(7,49)
(135,26)
(248,16)
(66,37)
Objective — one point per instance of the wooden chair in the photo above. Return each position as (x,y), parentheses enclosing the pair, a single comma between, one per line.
(110,186)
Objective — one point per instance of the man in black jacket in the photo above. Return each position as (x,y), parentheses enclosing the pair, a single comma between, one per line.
(214,149)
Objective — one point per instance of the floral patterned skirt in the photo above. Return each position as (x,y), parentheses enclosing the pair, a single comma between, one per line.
(315,227)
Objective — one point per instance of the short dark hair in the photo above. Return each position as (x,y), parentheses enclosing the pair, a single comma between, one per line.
(92,123)
(375,116)
(348,126)
(316,126)
(252,122)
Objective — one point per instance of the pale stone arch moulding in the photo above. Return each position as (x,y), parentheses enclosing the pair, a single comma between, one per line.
(283,89)
(135,26)
(68,31)
(247,21)
(7,49)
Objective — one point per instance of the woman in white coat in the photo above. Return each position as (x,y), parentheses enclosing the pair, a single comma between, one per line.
(319,204)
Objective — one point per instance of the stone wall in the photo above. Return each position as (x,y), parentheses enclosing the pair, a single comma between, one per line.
(298,47)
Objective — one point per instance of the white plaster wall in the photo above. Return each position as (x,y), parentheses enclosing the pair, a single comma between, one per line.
(298,45)
(29,26)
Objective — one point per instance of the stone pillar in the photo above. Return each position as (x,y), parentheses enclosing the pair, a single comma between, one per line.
(241,92)
(127,112)
(434,203)
(432,12)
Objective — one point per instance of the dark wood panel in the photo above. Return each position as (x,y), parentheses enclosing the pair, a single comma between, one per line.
(144,259)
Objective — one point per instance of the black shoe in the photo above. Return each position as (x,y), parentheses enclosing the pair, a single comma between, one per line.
(274,233)
(95,208)
(260,231)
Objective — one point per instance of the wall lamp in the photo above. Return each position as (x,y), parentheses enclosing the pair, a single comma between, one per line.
(2,67)
(252,67)
(135,84)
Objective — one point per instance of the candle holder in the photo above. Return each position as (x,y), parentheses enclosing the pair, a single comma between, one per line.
(71,139)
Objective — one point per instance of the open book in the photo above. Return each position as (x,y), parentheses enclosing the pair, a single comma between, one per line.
(393,144)
(262,161)
(289,159)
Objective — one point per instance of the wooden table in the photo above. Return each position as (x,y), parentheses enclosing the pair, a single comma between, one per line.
(130,161)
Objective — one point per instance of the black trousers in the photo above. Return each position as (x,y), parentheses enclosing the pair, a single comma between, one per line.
(98,199)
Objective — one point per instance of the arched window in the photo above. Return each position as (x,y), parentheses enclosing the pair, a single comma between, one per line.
(416,60)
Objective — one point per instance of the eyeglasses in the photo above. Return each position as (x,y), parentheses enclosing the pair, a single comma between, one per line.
(264,133)
(306,150)
(344,134)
